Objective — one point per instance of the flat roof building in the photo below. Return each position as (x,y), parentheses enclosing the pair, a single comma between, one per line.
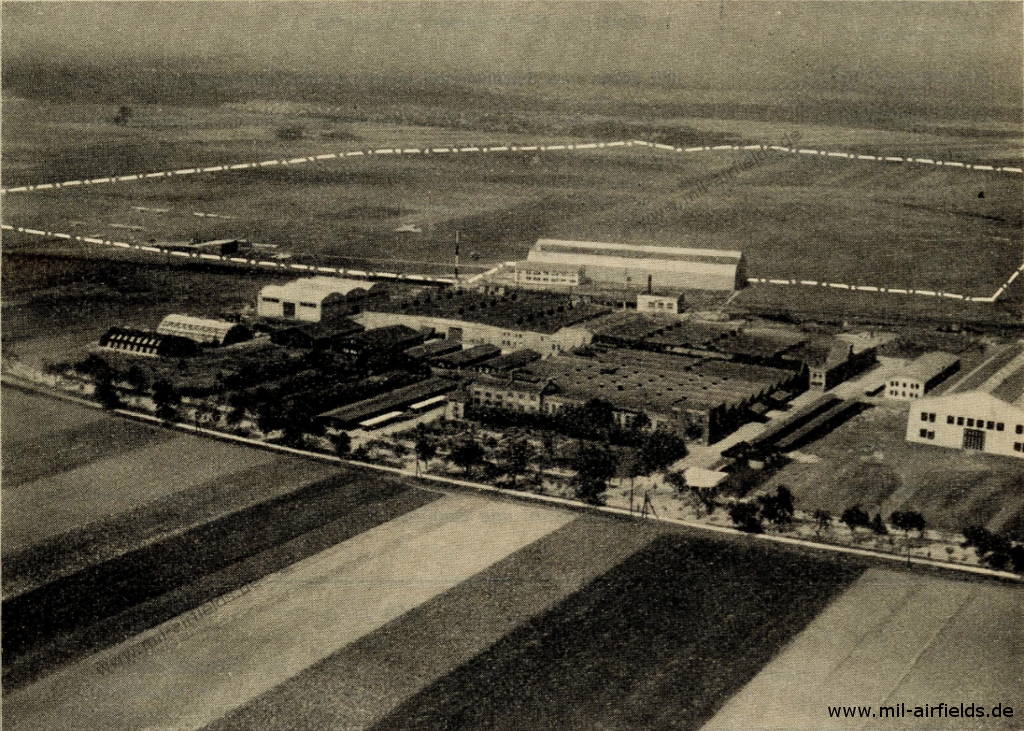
(558,263)
(983,411)
(921,375)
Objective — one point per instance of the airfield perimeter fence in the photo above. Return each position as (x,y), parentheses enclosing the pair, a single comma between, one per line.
(507,148)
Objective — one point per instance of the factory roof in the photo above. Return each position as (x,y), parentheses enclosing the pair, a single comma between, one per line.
(1001,375)
(927,366)
(636,251)
(654,382)
(195,328)
(519,310)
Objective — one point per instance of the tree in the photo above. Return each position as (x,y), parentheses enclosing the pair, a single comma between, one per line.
(854,517)
(106,393)
(659,449)
(707,498)
(677,480)
(822,521)
(594,465)
(466,454)
(515,457)
(124,113)
(425,450)
(908,520)
(878,525)
(777,509)
(137,378)
(167,399)
(746,517)
(342,444)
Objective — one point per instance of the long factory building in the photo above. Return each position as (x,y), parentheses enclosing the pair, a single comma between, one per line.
(554,263)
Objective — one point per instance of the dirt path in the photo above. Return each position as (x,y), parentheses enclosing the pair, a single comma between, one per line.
(196,668)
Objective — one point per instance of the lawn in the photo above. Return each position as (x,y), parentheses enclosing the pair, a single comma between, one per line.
(867,461)
(907,226)
(660,640)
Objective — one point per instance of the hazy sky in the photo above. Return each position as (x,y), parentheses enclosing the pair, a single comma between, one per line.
(961,48)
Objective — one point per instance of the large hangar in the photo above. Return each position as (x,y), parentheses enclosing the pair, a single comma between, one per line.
(554,262)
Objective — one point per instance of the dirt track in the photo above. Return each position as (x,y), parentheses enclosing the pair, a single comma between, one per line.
(196,668)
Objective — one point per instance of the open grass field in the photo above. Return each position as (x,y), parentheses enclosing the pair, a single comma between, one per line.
(894,638)
(810,218)
(867,461)
(825,219)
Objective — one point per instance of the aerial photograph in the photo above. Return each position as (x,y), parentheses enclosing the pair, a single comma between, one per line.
(512,364)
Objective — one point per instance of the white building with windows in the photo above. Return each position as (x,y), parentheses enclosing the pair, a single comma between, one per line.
(556,263)
(656,304)
(921,375)
(204,330)
(984,411)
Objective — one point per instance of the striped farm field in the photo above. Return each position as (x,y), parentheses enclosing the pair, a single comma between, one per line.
(283,593)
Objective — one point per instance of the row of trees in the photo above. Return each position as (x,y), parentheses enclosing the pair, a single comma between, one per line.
(995,551)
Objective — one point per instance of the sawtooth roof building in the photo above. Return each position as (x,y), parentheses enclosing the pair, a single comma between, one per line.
(556,263)
(983,411)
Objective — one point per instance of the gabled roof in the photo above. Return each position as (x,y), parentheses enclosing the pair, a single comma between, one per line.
(968,400)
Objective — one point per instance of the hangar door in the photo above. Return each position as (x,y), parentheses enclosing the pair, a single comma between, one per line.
(974,439)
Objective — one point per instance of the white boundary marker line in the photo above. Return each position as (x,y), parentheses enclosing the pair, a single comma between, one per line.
(234,259)
(227,167)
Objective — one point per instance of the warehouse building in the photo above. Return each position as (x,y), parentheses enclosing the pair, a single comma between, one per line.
(204,330)
(380,342)
(147,343)
(921,375)
(316,299)
(316,335)
(984,411)
(830,363)
(698,400)
(548,324)
(553,263)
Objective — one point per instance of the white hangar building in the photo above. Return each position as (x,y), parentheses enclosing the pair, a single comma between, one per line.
(557,263)
(204,330)
(314,299)
(984,411)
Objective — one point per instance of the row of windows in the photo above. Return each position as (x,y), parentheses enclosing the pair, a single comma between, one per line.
(970,422)
(926,434)
(897,384)
(1018,446)
(271,299)
(660,305)
(309,304)
(902,394)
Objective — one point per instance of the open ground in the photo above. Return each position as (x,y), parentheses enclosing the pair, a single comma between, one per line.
(867,460)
